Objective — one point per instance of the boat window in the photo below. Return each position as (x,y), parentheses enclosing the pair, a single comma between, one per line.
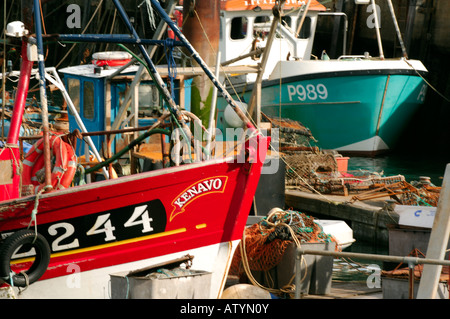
(261,26)
(286,21)
(305,32)
(73,88)
(88,100)
(239,28)
(148,97)
(262,19)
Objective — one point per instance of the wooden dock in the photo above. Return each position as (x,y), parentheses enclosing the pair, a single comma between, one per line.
(368,219)
(349,290)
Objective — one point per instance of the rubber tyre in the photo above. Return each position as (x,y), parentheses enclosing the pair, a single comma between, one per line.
(41,261)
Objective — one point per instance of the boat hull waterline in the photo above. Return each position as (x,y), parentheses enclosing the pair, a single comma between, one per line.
(354,111)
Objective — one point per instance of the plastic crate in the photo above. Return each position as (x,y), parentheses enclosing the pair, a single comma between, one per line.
(163,281)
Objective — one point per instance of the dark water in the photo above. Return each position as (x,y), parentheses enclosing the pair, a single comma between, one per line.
(411,165)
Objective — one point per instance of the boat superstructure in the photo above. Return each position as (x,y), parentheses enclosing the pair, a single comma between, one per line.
(63,239)
(355,104)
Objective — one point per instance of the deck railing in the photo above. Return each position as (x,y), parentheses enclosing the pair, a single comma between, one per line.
(411,261)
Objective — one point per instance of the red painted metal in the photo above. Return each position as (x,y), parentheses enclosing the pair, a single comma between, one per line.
(21,95)
(10,176)
(213,213)
(10,182)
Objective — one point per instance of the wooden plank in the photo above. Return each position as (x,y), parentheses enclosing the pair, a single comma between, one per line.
(349,290)
(193,71)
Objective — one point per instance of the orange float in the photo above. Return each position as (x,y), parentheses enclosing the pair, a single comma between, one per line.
(111,58)
(63,169)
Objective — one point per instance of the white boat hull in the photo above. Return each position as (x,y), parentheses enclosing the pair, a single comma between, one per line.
(339,230)
(96,284)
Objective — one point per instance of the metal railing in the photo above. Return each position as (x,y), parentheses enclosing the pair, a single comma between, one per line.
(411,261)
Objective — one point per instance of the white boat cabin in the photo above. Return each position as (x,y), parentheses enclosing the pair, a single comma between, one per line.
(246,24)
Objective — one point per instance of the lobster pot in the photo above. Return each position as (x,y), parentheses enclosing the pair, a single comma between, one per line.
(305,166)
(164,281)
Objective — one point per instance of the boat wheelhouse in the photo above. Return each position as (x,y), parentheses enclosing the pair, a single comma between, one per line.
(100,94)
(355,104)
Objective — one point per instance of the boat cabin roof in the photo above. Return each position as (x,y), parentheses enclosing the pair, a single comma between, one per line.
(244,5)
(91,71)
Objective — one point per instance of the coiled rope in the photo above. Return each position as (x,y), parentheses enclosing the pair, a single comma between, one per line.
(263,245)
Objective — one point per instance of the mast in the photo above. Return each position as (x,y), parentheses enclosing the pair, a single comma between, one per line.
(43,96)
(255,99)
(201,27)
(10,179)
(397,29)
(202,64)
(25,74)
(377,29)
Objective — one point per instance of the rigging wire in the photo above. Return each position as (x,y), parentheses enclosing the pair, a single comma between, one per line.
(82,32)
(253,122)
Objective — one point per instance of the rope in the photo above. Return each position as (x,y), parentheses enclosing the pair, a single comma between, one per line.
(286,289)
(263,245)
(128,287)
(27,282)
(34,214)
(11,281)
(151,15)
(14,161)
(84,30)
(428,83)
(171,64)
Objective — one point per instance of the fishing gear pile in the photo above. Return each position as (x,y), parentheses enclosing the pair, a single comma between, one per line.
(266,241)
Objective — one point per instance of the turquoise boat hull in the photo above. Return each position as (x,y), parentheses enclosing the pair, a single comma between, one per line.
(357,113)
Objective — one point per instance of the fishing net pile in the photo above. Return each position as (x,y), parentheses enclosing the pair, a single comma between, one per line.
(312,170)
(306,165)
(404,193)
(309,171)
(265,242)
(319,171)
(421,194)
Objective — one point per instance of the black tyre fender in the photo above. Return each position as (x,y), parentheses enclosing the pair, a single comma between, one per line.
(40,263)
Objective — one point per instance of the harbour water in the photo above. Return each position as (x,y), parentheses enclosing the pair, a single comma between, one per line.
(412,165)
(356,269)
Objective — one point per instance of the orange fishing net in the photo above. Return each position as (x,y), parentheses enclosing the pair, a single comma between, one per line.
(266,241)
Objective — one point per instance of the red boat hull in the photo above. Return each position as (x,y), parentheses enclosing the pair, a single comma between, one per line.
(140,216)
